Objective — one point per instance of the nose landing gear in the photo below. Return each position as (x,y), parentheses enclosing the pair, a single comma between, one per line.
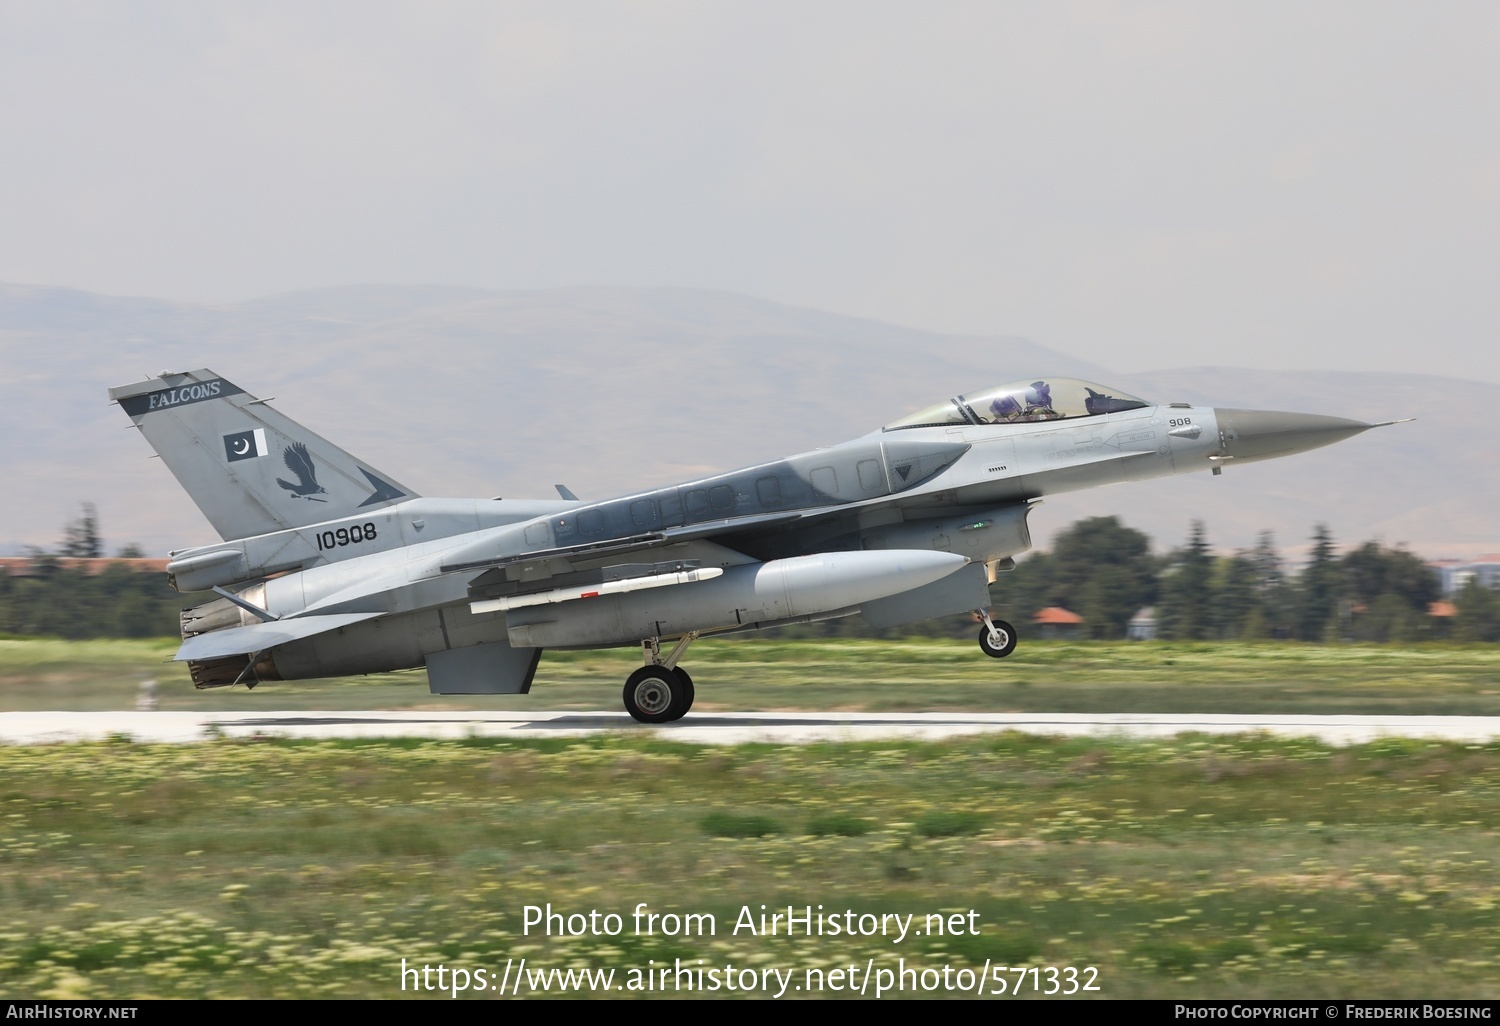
(997,638)
(660,691)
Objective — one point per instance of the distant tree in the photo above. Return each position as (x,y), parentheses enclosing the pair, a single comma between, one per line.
(1186,589)
(1318,589)
(1371,571)
(73,603)
(1104,601)
(1389,618)
(1478,612)
(81,536)
(1103,571)
(1275,607)
(1017,594)
(1235,601)
(1390,591)
(1269,575)
(1257,625)
(1364,571)
(131,551)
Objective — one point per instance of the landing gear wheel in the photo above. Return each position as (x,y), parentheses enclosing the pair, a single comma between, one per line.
(654,693)
(999,643)
(679,711)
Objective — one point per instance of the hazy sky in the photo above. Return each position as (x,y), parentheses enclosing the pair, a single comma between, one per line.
(1147,185)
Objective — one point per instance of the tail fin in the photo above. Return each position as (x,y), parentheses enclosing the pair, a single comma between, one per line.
(250,470)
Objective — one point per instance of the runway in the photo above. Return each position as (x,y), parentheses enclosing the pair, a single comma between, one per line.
(717,728)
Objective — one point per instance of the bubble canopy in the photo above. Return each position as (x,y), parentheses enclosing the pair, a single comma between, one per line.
(1024,402)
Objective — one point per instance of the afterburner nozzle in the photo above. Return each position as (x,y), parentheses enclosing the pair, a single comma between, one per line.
(1250,435)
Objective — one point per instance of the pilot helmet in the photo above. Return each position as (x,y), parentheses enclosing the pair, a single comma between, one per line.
(1005,406)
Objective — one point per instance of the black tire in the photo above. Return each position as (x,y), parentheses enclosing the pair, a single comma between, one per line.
(654,693)
(680,709)
(1007,640)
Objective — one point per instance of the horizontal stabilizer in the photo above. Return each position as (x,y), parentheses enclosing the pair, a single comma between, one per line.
(259,637)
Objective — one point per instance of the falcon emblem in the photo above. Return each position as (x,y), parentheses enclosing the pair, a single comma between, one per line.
(299,462)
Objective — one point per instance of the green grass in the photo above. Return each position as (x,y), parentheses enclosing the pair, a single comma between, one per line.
(1192,868)
(908,675)
(729,824)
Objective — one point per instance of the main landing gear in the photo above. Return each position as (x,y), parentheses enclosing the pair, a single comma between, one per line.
(997,638)
(661,691)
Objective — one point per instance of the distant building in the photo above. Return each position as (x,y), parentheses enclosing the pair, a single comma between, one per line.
(1057,622)
(1142,626)
(1440,617)
(1455,573)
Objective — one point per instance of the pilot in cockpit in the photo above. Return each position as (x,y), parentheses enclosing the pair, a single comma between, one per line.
(1005,408)
(1039,402)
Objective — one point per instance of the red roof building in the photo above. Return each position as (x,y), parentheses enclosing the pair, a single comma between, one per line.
(1057,622)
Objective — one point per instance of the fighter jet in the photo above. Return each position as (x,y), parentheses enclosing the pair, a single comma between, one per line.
(347,571)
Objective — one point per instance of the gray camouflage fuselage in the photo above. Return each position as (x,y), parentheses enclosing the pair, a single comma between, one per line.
(897,525)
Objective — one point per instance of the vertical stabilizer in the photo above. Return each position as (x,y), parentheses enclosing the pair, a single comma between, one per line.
(250,470)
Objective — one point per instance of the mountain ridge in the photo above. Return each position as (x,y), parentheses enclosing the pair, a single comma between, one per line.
(464,391)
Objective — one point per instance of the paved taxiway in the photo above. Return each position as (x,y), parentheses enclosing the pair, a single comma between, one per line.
(718,728)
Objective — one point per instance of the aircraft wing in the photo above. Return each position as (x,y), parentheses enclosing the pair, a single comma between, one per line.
(585,552)
(634,543)
(260,636)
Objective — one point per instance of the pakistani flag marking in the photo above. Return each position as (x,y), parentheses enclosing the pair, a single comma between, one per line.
(245,445)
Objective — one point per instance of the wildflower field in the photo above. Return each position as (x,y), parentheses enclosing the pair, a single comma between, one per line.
(1198,867)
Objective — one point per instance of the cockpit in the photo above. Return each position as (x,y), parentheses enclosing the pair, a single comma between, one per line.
(1023,402)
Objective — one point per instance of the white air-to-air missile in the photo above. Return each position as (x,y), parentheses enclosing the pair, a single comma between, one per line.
(329,567)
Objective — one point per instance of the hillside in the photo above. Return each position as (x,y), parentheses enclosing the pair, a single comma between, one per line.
(468,392)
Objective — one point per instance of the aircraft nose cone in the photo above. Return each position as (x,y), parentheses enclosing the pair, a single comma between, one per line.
(1265,434)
